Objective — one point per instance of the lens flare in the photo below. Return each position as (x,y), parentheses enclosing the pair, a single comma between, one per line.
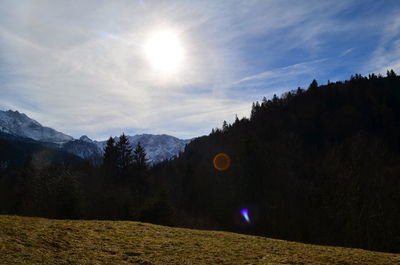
(222,162)
(245,214)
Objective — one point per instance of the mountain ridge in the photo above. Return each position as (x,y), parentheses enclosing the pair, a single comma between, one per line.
(19,124)
(158,147)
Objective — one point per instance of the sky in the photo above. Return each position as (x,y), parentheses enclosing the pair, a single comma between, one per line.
(83,67)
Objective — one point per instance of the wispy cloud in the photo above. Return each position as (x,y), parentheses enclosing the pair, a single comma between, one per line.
(299,68)
(79,66)
(387,54)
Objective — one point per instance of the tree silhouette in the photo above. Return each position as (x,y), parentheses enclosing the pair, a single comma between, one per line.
(124,154)
(139,157)
(313,84)
(391,73)
(110,157)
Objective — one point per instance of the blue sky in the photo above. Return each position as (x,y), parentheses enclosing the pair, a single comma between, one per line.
(79,66)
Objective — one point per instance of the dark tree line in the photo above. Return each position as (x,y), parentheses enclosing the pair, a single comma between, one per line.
(320,165)
(121,188)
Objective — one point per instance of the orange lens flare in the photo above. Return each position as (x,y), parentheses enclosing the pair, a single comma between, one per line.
(222,162)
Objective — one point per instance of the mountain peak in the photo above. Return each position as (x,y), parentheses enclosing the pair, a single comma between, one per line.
(158,147)
(19,124)
(85,138)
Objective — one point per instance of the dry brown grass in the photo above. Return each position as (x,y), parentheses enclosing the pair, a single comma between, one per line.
(26,240)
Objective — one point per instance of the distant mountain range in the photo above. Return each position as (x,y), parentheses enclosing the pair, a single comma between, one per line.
(157,147)
(18,124)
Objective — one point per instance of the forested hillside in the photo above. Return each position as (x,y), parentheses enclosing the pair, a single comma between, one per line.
(320,165)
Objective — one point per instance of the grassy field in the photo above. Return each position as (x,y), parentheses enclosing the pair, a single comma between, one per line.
(26,240)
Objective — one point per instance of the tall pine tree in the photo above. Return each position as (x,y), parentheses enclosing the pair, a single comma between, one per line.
(124,154)
(110,156)
(139,157)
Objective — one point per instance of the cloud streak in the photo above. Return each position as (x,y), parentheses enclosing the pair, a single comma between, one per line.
(387,54)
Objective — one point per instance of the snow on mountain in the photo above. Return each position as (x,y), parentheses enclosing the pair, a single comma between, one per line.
(18,124)
(84,148)
(84,138)
(157,147)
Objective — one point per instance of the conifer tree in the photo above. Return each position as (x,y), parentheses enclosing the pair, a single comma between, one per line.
(236,119)
(313,85)
(391,73)
(124,154)
(225,126)
(110,155)
(139,157)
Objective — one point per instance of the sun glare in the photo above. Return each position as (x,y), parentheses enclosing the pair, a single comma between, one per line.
(164,51)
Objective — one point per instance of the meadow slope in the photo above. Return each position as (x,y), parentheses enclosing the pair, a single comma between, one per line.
(25,240)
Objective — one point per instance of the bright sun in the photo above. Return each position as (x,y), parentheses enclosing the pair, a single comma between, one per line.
(164,51)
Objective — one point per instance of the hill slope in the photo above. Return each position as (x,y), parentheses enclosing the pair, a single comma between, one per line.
(26,240)
(319,166)
(15,151)
(19,124)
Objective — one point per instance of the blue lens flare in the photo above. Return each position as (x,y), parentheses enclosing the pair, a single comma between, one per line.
(245,214)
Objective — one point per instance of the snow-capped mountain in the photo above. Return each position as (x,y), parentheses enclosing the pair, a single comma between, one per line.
(157,147)
(18,124)
(84,148)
